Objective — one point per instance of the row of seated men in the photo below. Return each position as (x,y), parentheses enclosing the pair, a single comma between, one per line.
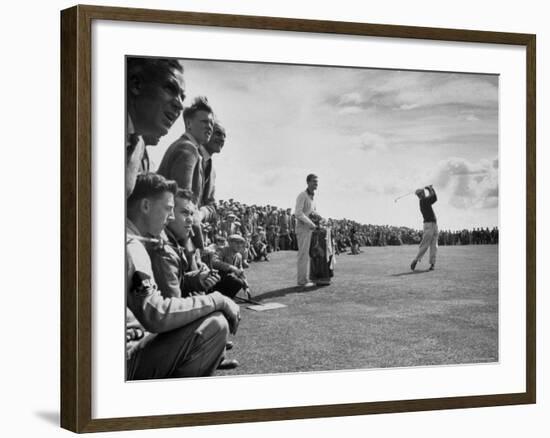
(180,299)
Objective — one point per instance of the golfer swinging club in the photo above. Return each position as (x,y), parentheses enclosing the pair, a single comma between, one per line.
(429,237)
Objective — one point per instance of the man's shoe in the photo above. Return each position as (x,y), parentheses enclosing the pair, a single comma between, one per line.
(432,267)
(308,284)
(413,265)
(229,345)
(228,364)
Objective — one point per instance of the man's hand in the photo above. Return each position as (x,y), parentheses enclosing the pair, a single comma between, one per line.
(208,279)
(134,333)
(237,271)
(232,312)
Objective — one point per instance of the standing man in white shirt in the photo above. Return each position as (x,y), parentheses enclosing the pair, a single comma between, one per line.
(305,205)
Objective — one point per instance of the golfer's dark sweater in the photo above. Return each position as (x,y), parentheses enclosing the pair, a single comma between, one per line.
(426,207)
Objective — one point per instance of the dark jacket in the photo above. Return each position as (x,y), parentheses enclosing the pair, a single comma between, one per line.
(182,162)
(171,268)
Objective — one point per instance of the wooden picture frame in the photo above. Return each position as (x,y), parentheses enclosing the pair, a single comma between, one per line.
(76,218)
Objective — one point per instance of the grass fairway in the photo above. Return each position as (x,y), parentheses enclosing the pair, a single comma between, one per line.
(376,313)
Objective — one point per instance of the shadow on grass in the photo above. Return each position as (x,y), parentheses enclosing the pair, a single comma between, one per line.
(285,291)
(411,273)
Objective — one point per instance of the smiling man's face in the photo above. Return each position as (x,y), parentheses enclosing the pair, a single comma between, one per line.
(216,142)
(157,102)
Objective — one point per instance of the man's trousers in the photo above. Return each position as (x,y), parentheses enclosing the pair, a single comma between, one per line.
(194,350)
(304,240)
(429,240)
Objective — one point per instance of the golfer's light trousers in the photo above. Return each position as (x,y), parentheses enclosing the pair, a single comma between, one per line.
(304,240)
(429,240)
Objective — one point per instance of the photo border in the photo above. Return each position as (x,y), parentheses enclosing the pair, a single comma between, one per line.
(76,214)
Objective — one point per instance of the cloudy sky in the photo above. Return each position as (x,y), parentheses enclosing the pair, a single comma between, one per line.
(370,135)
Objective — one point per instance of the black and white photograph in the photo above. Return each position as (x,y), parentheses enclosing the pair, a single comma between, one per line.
(286,218)
(327,219)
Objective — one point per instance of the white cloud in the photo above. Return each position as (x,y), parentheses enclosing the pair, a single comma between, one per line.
(490,202)
(353,98)
(372,142)
(411,90)
(350,110)
(450,90)
(391,189)
(468,185)
(410,106)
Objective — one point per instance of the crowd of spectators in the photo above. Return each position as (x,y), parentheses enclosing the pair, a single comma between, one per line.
(273,228)
(476,236)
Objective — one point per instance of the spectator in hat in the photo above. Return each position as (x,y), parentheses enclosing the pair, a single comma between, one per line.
(229,226)
(259,245)
(228,261)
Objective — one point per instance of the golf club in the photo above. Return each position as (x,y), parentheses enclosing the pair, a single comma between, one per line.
(409,193)
(402,196)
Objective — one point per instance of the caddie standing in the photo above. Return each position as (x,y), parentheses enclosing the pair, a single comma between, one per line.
(305,205)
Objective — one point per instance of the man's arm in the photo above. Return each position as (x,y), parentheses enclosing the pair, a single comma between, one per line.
(172,281)
(192,281)
(222,266)
(208,207)
(135,150)
(167,272)
(184,160)
(208,212)
(432,195)
(158,314)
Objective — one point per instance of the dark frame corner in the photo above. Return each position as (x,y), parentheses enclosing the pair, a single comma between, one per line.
(76,173)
